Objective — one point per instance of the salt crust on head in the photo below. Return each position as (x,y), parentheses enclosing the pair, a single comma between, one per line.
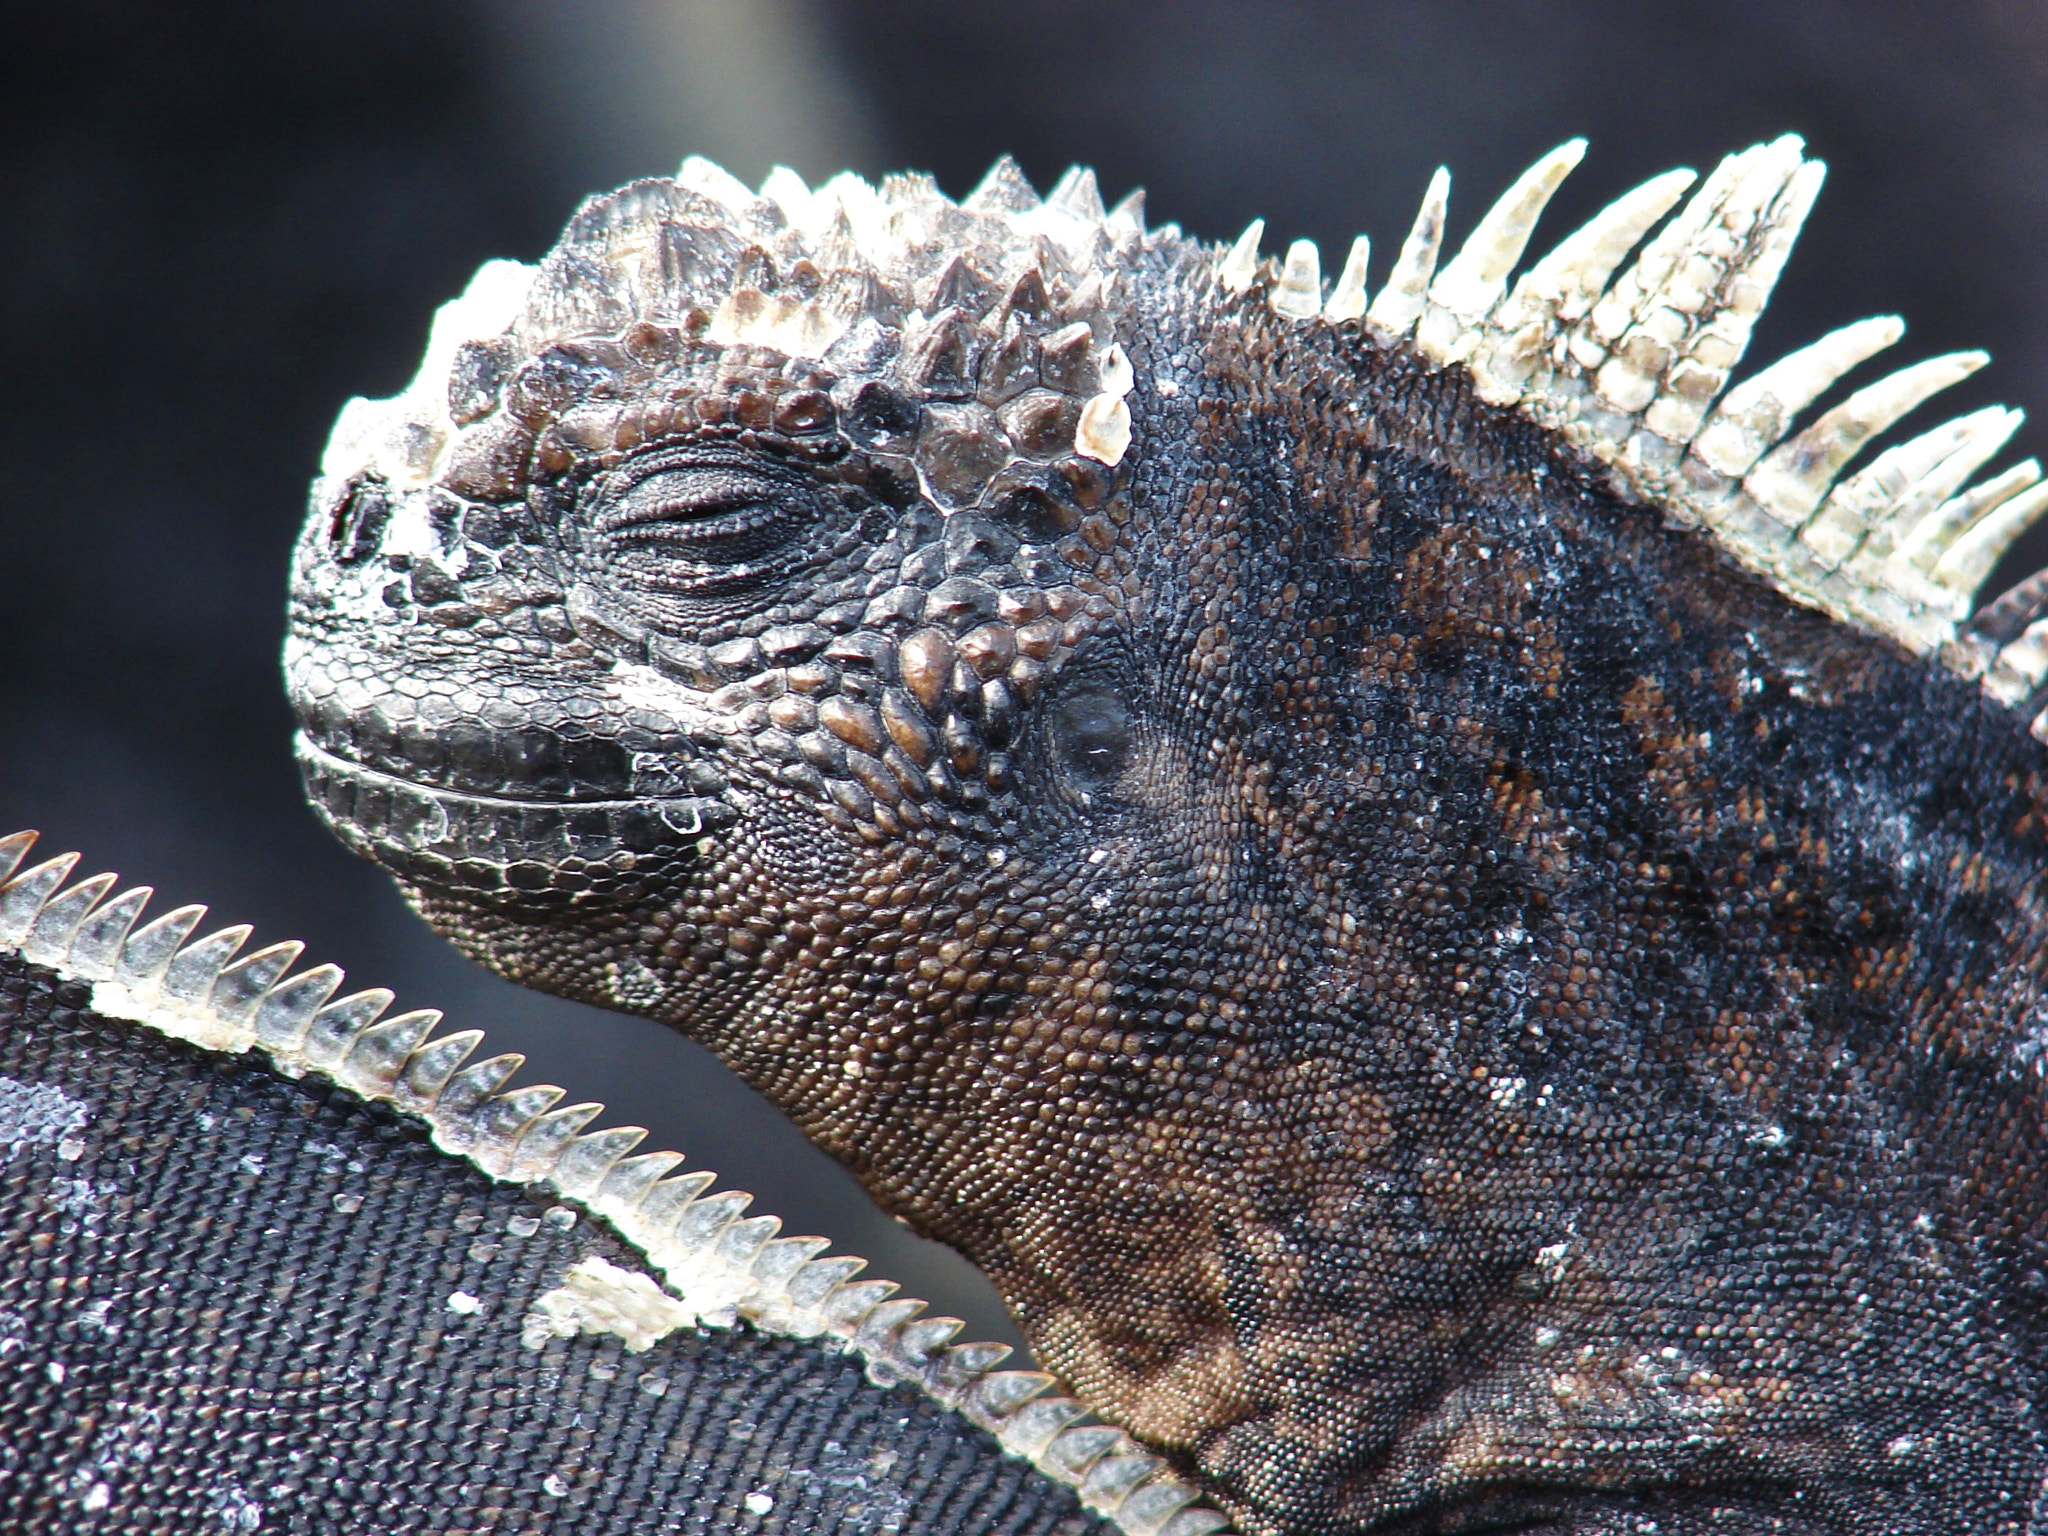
(1631,362)
(857,274)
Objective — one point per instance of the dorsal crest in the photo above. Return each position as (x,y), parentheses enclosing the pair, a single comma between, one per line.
(1632,361)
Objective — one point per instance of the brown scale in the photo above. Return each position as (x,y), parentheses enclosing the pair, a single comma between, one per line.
(1390,958)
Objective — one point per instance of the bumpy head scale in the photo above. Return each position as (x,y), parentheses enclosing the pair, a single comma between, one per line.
(995,312)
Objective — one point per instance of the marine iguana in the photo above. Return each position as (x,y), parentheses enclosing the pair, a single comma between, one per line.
(1448,905)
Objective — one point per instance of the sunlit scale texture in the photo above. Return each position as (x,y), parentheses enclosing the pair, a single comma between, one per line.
(1442,1001)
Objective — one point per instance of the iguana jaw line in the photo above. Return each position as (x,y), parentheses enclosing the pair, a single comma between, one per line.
(423,832)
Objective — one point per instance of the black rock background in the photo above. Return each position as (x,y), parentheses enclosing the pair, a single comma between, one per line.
(221,220)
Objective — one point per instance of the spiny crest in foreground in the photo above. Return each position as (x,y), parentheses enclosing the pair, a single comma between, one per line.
(1002,302)
(718,1264)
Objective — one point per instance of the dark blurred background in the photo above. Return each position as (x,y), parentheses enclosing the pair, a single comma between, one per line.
(221,220)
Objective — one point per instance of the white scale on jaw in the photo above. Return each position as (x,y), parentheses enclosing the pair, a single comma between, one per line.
(716,1264)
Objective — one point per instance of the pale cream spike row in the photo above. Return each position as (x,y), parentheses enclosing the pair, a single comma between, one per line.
(1793,479)
(1686,334)
(1347,299)
(1756,413)
(1299,293)
(718,1264)
(1717,225)
(1628,367)
(1967,562)
(1474,280)
(1565,284)
(1240,265)
(1400,301)
(1634,369)
(1936,535)
(1865,514)
(1507,348)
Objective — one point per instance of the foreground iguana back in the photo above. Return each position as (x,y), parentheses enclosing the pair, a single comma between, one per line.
(1450,911)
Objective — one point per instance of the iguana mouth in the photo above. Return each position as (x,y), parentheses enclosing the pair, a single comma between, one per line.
(495,843)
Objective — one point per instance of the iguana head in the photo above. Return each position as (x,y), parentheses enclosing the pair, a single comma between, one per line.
(1243,809)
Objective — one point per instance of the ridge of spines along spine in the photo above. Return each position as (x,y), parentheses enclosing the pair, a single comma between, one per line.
(1630,361)
(1633,365)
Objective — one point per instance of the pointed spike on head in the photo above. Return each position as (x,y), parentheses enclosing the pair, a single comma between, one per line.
(1794,479)
(1299,293)
(1076,193)
(789,192)
(1400,301)
(1104,431)
(1241,264)
(1347,299)
(1471,285)
(846,197)
(1113,372)
(710,179)
(1005,189)
(1755,413)
(1129,215)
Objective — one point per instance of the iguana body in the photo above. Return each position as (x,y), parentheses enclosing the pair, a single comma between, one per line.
(1328,850)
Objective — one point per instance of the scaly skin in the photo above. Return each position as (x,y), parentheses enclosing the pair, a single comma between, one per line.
(1438,1001)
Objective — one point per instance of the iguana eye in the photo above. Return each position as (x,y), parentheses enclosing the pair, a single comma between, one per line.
(685,522)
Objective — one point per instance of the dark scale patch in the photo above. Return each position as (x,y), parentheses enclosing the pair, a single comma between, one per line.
(224,1307)
(1441,1004)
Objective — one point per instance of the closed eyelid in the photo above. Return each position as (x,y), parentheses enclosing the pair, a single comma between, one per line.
(693,495)
(700,521)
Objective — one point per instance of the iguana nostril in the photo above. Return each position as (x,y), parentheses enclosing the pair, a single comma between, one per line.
(358,523)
